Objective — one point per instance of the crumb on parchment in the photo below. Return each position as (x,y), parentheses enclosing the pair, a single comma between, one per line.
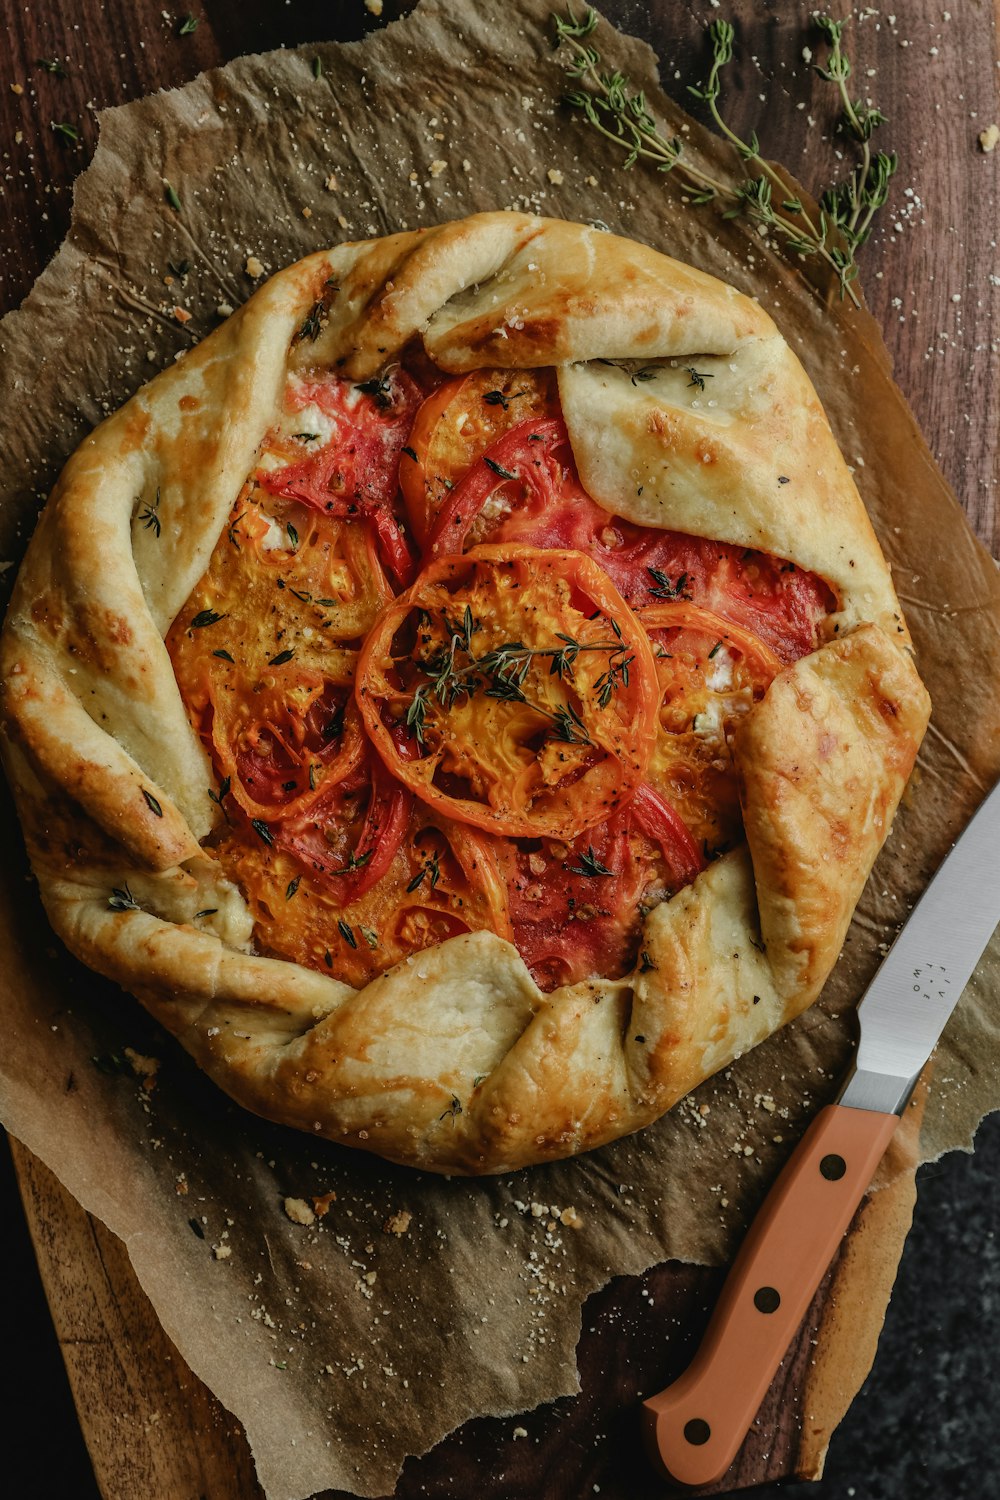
(989,137)
(398,1223)
(143,1067)
(298,1210)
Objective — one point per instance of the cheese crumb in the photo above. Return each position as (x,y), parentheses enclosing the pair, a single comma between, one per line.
(253,267)
(398,1223)
(571,1218)
(331,184)
(555,176)
(437,167)
(222,1252)
(298,1210)
(225,309)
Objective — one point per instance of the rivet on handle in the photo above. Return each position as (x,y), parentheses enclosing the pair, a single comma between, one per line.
(697,1431)
(766,1299)
(833,1167)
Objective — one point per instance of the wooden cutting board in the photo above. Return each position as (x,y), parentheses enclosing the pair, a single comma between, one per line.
(150,1425)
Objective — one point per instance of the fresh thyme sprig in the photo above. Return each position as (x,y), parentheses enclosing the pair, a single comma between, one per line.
(847,209)
(502,671)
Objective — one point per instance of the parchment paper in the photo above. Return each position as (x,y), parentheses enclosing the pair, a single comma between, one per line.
(343,1347)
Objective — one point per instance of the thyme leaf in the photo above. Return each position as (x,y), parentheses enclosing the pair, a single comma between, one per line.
(662,588)
(589,865)
(122,899)
(152,804)
(379,388)
(498,468)
(149,515)
(312,326)
(355,861)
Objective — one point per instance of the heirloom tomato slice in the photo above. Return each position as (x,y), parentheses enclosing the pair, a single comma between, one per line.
(577,910)
(345,460)
(710,673)
(512,689)
(457,424)
(366,879)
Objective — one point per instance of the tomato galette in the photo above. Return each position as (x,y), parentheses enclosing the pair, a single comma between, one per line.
(464,697)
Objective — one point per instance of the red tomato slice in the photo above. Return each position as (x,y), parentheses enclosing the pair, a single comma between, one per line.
(527,457)
(368,853)
(357,471)
(654,816)
(577,912)
(283,749)
(778,602)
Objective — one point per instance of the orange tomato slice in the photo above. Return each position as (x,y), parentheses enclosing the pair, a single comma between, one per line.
(711,671)
(513,689)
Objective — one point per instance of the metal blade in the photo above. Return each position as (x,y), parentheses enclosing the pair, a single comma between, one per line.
(918,984)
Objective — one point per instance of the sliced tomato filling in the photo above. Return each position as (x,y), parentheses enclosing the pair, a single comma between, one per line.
(354,471)
(576,909)
(521,686)
(444,690)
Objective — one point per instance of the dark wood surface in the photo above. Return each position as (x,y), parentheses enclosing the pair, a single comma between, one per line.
(930,284)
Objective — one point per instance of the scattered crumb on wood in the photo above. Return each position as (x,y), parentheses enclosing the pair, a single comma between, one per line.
(298,1210)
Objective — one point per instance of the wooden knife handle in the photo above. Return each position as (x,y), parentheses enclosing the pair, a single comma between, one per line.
(694,1429)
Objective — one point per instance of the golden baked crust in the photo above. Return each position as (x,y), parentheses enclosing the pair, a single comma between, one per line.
(454,1060)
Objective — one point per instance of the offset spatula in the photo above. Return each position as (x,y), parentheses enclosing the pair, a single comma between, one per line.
(695,1427)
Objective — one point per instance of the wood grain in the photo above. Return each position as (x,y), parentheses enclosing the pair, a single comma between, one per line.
(151,1427)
